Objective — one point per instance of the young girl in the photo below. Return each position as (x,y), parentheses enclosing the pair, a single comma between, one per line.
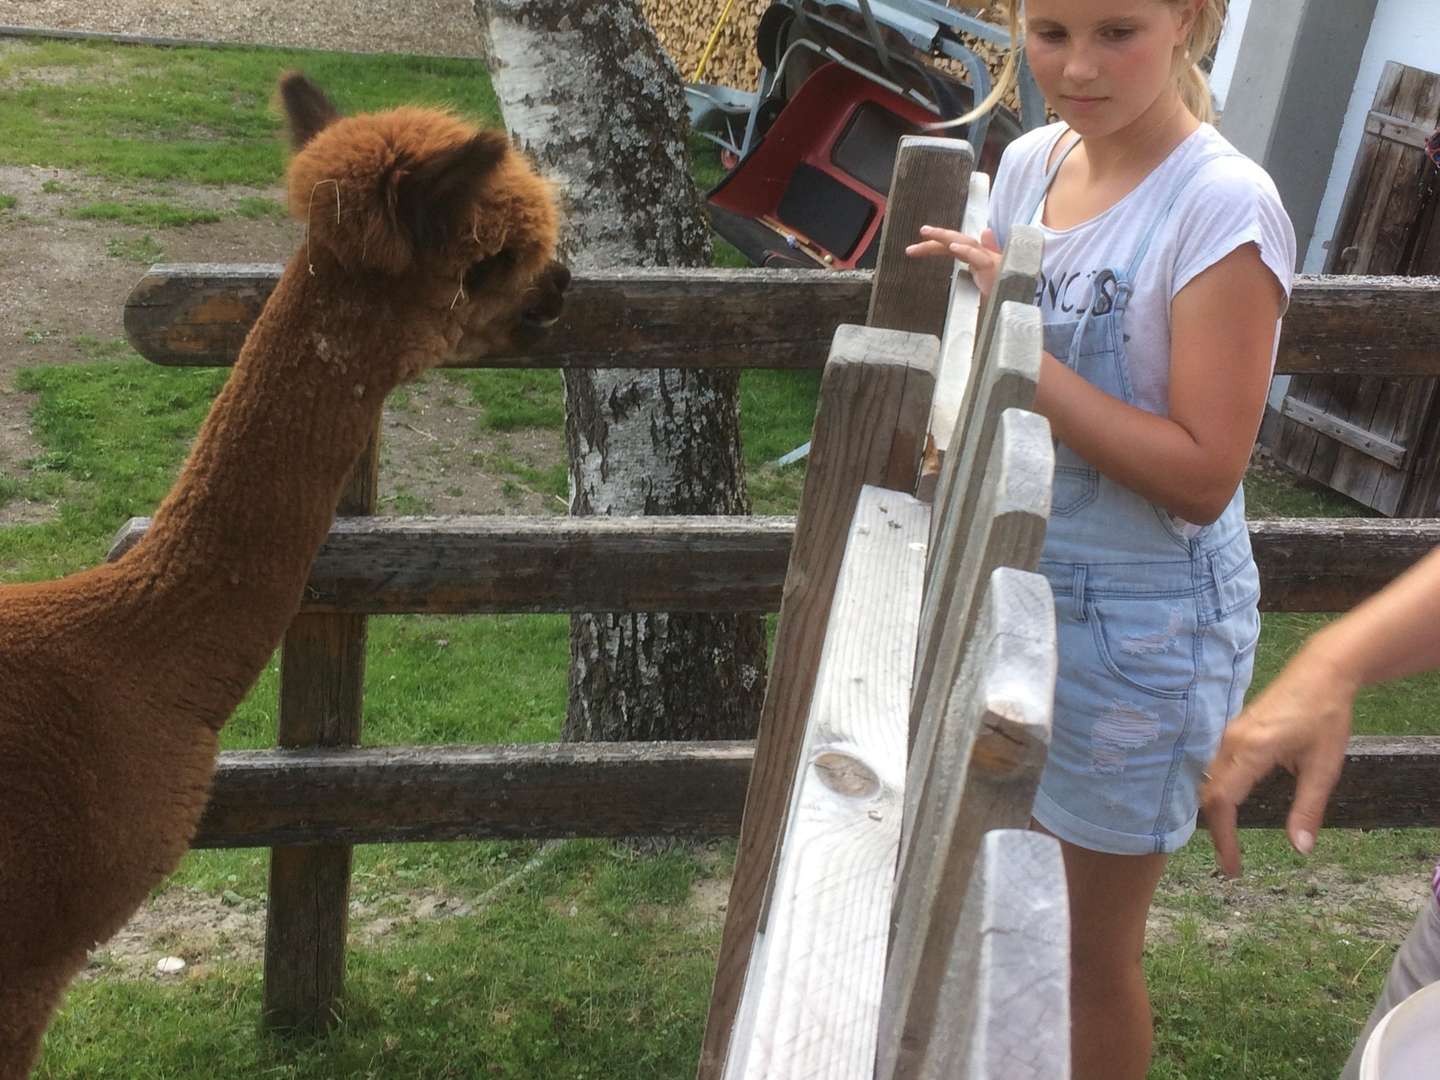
(1167,266)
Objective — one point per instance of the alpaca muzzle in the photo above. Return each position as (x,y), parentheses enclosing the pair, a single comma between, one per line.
(546,299)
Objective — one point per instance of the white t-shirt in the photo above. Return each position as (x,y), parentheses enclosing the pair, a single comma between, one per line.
(1231,201)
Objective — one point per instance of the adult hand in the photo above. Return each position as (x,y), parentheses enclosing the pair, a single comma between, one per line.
(982,256)
(1300,723)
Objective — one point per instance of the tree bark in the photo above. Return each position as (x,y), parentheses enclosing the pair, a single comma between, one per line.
(586,89)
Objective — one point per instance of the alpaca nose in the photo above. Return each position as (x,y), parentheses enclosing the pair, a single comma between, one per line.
(549,294)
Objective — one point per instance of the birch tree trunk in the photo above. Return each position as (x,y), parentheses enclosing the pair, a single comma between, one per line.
(586,89)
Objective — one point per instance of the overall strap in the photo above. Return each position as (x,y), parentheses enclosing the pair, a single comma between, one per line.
(1029,216)
(1163,215)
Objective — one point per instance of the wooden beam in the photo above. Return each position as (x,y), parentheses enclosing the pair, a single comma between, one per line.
(492,565)
(981,764)
(425,793)
(198,314)
(459,565)
(931,183)
(1352,435)
(1006,1013)
(874,401)
(1396,129)
(811,1003)
(422,793)
(1331,564)
(962,323)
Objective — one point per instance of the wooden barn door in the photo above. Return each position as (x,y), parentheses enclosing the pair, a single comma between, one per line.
(1364,436)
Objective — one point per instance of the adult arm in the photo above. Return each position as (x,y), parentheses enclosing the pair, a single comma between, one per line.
(1301,721)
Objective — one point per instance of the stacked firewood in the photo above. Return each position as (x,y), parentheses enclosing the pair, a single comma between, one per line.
(685,30)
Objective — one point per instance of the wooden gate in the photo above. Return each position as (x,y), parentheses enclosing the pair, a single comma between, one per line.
(1374,438)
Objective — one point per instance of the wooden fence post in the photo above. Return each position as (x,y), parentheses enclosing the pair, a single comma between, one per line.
(1006,1012)
(811,998)
(322,690)
(986,751)
(931,180)
(874,400)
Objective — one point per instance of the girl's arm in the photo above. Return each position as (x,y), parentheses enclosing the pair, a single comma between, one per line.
(1222,338)
(1302,720)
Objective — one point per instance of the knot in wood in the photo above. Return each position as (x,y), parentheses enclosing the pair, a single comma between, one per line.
(847,775)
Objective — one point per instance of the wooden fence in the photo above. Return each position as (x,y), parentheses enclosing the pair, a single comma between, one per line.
(319,792)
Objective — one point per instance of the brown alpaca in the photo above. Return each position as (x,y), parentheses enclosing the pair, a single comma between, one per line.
(428,242)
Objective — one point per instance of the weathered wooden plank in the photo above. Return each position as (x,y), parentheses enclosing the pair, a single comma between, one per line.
(402,794)
(455,564)
(1331,564)
(494,565)
(811,1001)
(1406,132)
(962,324)
(1353,435)
(386,794)
(1008,1001)
(1015,282)
(977,762)
(930,185)
(198,314)
(874,401)
(322,694)
(1387,782)
(978,461)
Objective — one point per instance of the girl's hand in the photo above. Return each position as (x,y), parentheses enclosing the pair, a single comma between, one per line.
(1300,723)
(982,256)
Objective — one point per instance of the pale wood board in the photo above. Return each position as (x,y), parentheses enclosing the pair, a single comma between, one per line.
(1011,1000)
(957,346)
(874,400)
(812,993)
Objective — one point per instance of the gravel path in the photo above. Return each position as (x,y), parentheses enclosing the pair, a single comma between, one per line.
(423,27)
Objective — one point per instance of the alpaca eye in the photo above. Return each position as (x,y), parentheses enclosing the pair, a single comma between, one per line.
(487,268)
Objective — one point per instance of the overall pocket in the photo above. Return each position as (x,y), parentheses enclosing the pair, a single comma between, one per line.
(1148,644)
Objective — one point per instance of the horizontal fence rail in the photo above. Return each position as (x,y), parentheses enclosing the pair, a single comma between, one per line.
(199,314)
(262,798)
(494,565)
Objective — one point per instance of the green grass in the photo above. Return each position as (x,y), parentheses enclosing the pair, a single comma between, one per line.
(255,207)
(145,250)
(195,115)
(516,398)
(148,214)
(8,202)
(611,979)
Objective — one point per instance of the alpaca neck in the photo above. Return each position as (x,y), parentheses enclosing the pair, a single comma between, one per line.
(225,561)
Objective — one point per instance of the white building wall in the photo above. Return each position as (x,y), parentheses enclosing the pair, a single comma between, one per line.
(1408,32)
(1227,50)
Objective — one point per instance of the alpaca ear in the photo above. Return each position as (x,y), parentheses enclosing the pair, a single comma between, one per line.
(432,198)
(307,110)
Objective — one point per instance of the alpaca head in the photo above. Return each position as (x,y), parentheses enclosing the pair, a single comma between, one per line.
(447,220)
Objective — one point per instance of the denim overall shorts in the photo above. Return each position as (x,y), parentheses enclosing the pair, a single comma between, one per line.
(1157,621)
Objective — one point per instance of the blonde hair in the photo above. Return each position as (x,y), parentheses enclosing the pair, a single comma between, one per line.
(1190,77)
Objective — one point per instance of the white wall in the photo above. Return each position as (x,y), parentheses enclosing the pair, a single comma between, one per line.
(1408,32)
(1227,50)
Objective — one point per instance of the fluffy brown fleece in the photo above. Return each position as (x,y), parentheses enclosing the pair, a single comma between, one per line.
(428,242)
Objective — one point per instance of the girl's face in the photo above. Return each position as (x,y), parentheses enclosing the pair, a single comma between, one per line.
(1102,64)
